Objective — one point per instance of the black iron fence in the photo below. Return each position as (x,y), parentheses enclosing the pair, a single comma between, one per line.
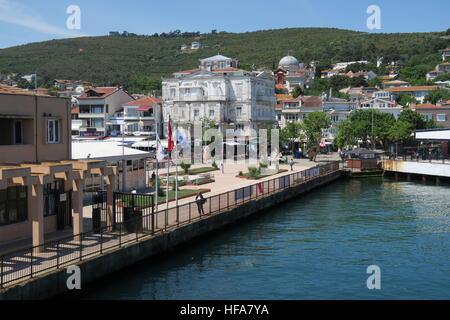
(134,218)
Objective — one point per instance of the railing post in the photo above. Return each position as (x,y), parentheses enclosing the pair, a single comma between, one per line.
(190,212)
(137,233)
(81,247)
(31,262)
(57,254)
(120,235)
(1,271)
(101,240)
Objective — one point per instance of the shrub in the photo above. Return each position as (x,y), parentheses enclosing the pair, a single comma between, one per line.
(185,167)
(253,172)
(214,164)
(241,174)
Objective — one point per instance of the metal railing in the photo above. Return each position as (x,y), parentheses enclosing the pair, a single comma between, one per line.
(31,262)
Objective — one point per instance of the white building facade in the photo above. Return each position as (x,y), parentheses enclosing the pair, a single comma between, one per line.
(220,93)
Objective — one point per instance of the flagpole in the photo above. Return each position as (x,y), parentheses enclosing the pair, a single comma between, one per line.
(157,178)
(169,131)
(176,170)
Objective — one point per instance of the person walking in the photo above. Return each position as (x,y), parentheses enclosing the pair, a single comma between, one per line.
(200,200)
(291,163)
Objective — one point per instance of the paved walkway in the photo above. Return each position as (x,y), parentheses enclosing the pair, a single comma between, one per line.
(25,264)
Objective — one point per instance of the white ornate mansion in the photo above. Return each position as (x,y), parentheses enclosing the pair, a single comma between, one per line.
(220,92)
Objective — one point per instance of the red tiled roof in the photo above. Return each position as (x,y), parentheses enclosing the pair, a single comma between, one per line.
(102,92)
(312,101)
(145,101)
(426,106)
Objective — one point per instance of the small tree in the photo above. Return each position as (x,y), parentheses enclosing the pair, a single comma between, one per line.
(314,125)
(291,133)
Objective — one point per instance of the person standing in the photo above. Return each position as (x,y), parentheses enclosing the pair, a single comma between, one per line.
(200,200)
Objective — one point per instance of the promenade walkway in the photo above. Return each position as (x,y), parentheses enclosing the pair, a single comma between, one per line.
(227,192)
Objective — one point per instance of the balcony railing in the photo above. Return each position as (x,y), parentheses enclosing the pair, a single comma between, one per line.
(200,98)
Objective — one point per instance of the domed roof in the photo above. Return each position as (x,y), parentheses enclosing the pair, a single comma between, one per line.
(289,61)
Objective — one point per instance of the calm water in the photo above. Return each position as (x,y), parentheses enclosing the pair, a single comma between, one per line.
(316,247)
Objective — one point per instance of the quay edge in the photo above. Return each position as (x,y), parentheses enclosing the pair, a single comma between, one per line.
(54,283)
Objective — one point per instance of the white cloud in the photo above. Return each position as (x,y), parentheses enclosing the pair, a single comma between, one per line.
(21,15)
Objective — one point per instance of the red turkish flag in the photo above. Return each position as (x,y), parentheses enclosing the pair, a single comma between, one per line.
(171,143)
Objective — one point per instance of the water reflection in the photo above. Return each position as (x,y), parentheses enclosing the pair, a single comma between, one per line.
(315,247)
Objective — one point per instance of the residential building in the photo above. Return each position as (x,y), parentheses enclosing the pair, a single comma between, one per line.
(326,74)
(439,112)
(382,94)
(395,84)
(96,106)
(383,105)
(445,54)
(344,65)
(142,116)
(368,75)
(441,69)
(41,187)
(296,110)
(338,110)
(418,92)
(220,92)
(196,45)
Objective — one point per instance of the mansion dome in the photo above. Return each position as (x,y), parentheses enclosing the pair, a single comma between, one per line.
(289,61)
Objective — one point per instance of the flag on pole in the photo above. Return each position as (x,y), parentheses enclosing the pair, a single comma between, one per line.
(181,138)
(161,153)
(171,144)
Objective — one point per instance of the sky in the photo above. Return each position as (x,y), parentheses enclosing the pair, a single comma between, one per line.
(25,21)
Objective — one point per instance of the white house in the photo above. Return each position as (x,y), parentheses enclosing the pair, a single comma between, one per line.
(383,105)
(96,106)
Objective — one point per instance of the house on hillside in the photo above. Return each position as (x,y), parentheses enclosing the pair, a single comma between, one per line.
(418,92)
(140,117)
(96,106)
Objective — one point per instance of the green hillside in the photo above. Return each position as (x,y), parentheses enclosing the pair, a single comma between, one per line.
(117,59)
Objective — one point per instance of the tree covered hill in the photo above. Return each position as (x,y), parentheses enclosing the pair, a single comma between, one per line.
(111,60)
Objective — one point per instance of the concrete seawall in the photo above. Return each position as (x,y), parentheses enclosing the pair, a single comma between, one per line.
(54,283)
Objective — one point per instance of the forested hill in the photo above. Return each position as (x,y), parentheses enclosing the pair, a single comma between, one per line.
(110,60)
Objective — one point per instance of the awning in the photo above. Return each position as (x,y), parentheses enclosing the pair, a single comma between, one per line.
(144,108)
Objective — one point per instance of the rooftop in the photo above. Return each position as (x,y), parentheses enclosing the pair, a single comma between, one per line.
(98,92)
(145,101)
(19,91)
(413,88)
(105,150)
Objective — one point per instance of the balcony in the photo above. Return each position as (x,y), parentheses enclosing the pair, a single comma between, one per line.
(188,98)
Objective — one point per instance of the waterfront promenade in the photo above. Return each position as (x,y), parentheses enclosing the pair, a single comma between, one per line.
(224,196)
